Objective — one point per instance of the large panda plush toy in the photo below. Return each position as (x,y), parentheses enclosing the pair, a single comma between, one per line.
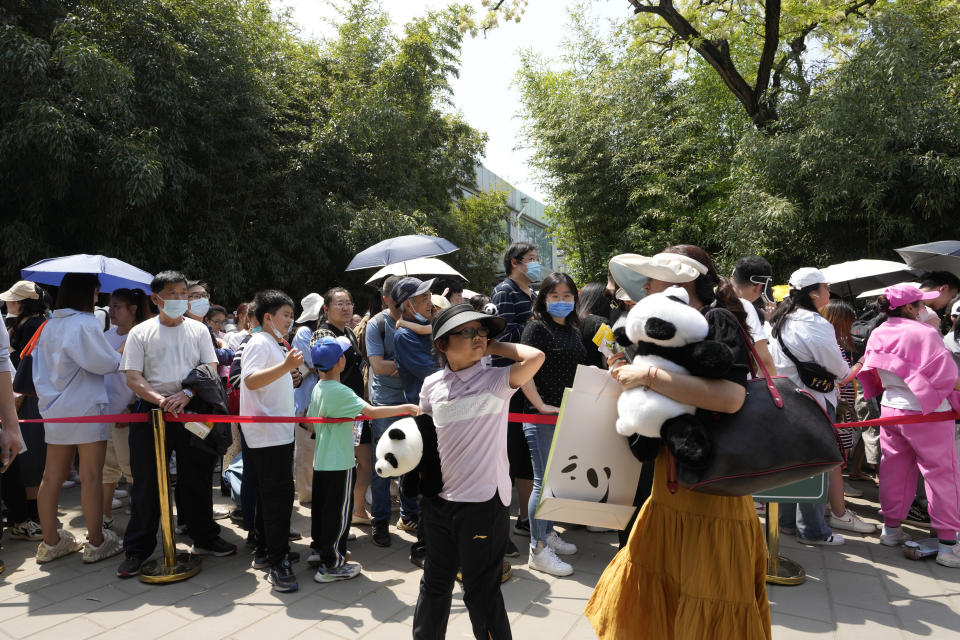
(399,449)
(663,331)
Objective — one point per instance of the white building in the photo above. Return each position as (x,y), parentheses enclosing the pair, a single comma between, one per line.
(527,223)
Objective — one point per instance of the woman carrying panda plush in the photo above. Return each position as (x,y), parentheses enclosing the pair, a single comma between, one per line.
(695,565)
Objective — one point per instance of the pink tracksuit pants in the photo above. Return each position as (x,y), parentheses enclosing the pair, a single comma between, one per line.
(928,447)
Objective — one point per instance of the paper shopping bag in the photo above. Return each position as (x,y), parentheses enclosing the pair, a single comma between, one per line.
(591,476)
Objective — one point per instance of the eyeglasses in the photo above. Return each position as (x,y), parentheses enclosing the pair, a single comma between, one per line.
(469,333)
(198,296)
(343,305)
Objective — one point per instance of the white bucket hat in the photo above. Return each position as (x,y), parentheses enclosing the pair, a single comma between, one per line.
(674,268)
(312,304)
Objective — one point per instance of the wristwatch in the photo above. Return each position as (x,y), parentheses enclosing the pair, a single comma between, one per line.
(188,393)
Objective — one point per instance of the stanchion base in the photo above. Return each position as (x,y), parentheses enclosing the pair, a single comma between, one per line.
(788,573)
(156,572)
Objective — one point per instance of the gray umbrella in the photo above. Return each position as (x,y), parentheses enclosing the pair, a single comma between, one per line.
(943,255)
(399,249)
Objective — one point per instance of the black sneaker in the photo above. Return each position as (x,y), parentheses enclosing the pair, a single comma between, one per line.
(295,535)
(260,562)
(512,551)
(217,547)
(408,524)
(381,533)
(522,528)
(130,567)
(282,578)
(236,516)
(418,557)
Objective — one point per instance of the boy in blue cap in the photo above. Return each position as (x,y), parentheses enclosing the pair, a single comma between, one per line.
(333,460)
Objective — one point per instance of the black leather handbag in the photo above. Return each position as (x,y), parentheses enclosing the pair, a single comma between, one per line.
(781,435)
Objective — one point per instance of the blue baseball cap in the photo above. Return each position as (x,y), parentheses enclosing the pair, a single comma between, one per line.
(326,351)
(410,287)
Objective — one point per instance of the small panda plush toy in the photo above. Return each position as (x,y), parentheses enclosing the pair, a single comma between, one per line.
(399,449)
(663,331)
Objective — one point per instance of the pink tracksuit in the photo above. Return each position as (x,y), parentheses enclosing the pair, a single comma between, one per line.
(915,352)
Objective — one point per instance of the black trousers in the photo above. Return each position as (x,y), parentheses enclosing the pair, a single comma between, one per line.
(470,537)
(330,514)
(194,486)
(274,505)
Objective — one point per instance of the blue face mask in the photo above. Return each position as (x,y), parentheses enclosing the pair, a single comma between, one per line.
(419,317)
(559,309)
(199,307)
(173,309)
(533,271)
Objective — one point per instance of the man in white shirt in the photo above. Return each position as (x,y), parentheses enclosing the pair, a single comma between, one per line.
(947,284)
(266,389)
(157,356)
(752,278)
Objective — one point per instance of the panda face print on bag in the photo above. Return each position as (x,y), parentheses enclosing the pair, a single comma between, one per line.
(399,449)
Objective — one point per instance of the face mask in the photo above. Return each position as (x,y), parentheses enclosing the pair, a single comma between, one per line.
(419,317)
(533,271)
(200,307)
(173,309)
(559,309)
(256,330)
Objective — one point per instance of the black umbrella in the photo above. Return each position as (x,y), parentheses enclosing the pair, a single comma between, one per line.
(943,255)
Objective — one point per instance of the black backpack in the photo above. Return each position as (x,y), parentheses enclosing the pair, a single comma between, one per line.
(861,329)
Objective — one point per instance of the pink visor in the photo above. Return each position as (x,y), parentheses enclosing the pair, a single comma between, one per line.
(901,294)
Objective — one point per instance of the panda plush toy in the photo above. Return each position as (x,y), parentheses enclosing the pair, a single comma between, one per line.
(399,449)
(663,331)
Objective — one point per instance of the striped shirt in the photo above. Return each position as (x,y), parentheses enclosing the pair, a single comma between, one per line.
(514,306)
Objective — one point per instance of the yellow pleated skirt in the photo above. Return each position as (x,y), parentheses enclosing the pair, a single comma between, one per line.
(694,568)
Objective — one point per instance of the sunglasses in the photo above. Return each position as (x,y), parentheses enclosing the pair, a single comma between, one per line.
(470,333)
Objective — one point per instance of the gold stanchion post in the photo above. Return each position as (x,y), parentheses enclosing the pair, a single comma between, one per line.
(173,567)
(780,570)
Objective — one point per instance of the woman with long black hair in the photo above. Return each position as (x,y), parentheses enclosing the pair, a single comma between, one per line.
(593,311)
(694,566)
(555,330)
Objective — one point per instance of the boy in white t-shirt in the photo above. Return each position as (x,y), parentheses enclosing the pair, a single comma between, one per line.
(266,389)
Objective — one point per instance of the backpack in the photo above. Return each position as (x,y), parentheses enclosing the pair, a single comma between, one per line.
(861,329)
(361,332)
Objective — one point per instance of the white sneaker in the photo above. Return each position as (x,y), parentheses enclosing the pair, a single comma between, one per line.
(121,494)
(111,546)
(894,537)
(560,547)
(851,492)
(29,530)
(548,562)
(116,504)
(67,544)
(851,522)
(949,555)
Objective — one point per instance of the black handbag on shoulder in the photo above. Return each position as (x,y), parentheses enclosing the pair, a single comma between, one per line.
(780,435)
(811,374)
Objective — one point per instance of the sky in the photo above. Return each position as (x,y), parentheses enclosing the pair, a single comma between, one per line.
(484,92)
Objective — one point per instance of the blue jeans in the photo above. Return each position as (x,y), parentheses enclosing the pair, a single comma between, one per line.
(380,487)
(807,518)
(539,439)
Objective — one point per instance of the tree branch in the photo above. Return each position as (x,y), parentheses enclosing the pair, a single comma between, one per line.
(771,40)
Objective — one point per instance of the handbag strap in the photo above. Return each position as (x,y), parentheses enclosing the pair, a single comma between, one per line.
(27,350)
(771,387)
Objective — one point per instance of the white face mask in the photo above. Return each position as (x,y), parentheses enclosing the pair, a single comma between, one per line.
(199,307)
(173,309)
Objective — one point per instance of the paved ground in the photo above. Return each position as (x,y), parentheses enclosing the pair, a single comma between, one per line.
(861,590)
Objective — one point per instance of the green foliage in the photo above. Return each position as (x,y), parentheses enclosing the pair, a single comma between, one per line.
(208,136)
(639,153)
(478,225)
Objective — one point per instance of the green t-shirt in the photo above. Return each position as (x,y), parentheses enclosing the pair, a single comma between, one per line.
(334,448)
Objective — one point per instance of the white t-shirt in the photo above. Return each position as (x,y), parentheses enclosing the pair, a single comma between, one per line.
(165,355)
(754,326)
(897,395)
(119,395)
(275,399)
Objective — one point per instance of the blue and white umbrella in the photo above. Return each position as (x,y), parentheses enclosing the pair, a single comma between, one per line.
(400,249)
(114,274)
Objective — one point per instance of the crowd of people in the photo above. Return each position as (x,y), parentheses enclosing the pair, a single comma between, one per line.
(455,365)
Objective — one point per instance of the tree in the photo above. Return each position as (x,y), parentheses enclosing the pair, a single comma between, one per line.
(209,136)
(478,225)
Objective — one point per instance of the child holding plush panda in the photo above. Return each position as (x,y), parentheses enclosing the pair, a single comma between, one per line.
(333,461)
(467,523)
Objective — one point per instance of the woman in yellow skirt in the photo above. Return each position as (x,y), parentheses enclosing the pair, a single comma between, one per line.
(695,564)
